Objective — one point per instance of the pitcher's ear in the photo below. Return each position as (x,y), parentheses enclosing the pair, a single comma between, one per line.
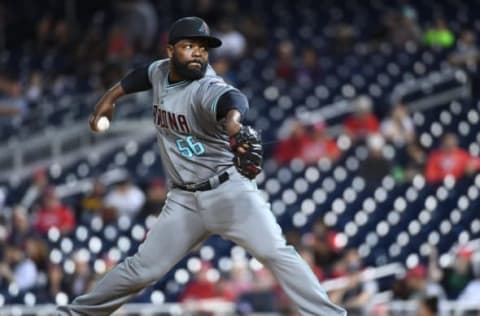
(170,49)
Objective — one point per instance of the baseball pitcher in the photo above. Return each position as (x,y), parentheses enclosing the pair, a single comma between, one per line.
(211,160)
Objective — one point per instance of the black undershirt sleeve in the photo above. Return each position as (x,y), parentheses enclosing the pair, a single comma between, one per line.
(232,99)
(136,81)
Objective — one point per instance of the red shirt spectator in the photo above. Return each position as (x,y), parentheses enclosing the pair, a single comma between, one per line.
(362,125)
(363,122)
(450,160)
(201,288)
(54,214)
(292,147)
(319,145)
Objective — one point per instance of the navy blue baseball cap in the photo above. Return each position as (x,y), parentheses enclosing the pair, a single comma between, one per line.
(192,27)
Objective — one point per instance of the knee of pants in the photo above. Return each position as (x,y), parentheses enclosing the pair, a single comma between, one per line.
(147,278)
(140,274)
(267,255)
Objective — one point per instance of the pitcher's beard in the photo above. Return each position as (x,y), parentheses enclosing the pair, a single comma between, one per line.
(187,72)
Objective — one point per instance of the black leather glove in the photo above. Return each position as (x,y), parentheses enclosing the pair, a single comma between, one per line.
(249,160)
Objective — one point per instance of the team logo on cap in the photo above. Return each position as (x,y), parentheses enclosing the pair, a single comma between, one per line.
(204,28)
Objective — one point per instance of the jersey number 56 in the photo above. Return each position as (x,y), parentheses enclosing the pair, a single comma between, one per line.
(188,147)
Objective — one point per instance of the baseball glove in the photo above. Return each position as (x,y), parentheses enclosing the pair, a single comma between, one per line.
(249,160)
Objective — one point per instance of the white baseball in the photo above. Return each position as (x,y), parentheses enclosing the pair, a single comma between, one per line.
(103,124)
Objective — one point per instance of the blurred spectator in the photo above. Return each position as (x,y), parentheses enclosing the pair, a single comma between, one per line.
(400,289)
(35,88)
(253,27)
(375,167)
(419,284)
(414,164)
(31,197)
(439,35)
(234,43)
(81,280)
(43,39)
(201,287)
(109,215)
(119,48)
(450,159)
(357,292)
(36,249)
(363,121)
(92,203)
(344,37)
(18,268)
(155,200)
(13,105)
(466,54)
(408,10)
(241,277)
(428,307)
(209,10)
(470,292)
(9,110)
(467,57)
(91,55)
(398,128)
(54,214)
(417,156)
(403,26)
(59,60)
(322,242)
(224,286)
(262,296)
(126,198)
(10,88)
(456,278)
(308,144)
(56,281)
(285,62)
(222,67)
(309,71)
(351,262)
(291,148)
(20,228)
(319,145)
(139,19)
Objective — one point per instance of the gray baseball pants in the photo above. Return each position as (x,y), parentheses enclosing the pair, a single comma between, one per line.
(236,211)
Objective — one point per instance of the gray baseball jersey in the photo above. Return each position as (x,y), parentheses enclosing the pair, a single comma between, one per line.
(193,146)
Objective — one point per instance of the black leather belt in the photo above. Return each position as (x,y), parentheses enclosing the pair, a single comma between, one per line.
(209,184)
